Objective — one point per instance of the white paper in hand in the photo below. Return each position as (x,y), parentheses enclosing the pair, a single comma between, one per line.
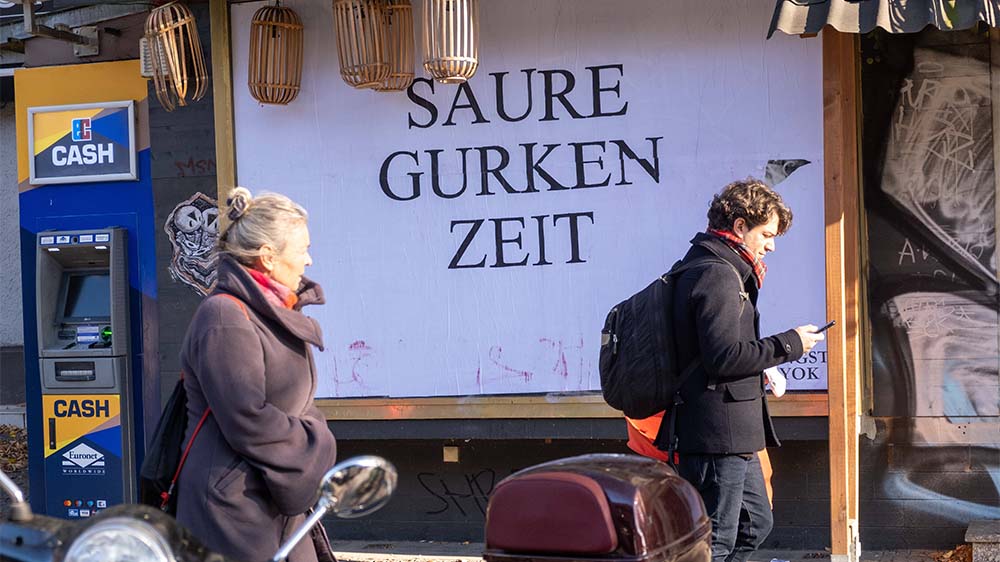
(777,381)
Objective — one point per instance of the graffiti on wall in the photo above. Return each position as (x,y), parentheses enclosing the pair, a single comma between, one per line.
(931,205)
(193,229)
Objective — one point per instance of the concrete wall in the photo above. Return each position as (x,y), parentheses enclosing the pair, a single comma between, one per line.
(11,329)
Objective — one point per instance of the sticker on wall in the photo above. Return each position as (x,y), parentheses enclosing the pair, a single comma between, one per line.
(82,143)
(193,229)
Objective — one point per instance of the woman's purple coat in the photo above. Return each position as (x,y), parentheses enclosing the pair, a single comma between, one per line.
(255,466)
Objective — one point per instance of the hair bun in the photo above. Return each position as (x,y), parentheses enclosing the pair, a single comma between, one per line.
(238,202)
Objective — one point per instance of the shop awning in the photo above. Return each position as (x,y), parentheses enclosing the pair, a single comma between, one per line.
(796,17)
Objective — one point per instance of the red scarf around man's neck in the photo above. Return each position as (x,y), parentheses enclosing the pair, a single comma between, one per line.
(275,292)
(737,244)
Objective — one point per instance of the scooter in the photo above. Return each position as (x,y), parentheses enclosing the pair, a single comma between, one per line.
(597,508)
(140,533)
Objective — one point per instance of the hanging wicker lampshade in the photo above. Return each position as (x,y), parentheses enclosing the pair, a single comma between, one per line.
(451,39)
(399,46)
(361,41)
(172,36)
(275,73)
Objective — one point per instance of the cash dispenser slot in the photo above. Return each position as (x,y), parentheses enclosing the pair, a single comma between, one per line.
(75,371)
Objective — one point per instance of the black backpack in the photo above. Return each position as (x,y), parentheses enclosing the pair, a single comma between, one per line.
(638,362)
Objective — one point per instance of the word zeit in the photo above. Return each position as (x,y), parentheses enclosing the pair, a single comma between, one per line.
(524,170)
(83,460)
(83,154)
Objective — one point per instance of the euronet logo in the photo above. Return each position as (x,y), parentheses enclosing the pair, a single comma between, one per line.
(83,459)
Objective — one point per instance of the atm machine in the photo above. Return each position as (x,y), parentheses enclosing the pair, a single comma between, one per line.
(84,363)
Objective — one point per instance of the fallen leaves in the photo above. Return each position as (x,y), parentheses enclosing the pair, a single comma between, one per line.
(13,448)
(961,553)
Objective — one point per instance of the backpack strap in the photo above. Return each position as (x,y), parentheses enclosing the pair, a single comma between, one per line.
(165,496)
(668,426)
(681,267)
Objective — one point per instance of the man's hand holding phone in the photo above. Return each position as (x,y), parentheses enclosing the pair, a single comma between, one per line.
(811,335)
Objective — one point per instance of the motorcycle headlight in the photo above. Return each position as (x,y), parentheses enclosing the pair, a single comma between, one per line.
(120,539)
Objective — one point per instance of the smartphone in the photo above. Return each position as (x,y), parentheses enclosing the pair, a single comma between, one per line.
(825,327)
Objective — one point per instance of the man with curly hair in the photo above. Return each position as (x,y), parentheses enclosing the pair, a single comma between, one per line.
(723,420)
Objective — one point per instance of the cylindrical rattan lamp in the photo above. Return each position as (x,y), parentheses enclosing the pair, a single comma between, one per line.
(275,73)
(399,46)
(361,41)
(172,36)
(451,39)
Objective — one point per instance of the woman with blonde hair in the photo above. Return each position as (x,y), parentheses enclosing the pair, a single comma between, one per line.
(262,445)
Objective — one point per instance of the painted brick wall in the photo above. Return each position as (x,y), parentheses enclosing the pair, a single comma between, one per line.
(924,494)
(182,143)
(932,464)
(447,501)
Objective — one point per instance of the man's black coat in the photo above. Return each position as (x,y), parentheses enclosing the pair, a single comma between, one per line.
(716,320)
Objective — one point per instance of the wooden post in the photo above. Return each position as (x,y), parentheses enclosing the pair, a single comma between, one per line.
(222,95)
(841,112)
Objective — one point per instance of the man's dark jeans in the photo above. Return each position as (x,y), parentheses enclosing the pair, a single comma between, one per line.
(735,497)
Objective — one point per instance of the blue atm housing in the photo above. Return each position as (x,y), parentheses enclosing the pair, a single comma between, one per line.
(128,207)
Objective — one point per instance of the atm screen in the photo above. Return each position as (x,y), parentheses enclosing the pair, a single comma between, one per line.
(87,296)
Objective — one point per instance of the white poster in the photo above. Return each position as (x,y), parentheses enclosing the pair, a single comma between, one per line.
(471,239)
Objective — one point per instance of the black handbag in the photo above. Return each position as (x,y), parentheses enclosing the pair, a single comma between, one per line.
(166,453)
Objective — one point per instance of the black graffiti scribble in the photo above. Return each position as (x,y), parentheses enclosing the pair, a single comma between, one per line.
(468,492)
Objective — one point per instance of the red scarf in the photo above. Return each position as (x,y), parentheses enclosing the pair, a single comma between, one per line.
(737,244)
(278,294)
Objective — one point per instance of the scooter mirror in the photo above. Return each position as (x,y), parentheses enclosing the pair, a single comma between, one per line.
(353,488)
(19,508)
(359,486)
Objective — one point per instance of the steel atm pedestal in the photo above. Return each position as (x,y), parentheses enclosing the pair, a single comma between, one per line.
(84,362)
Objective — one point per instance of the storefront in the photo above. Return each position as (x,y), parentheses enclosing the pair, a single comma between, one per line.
(473,237)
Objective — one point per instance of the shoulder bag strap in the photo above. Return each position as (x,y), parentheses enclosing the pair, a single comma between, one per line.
(165,496)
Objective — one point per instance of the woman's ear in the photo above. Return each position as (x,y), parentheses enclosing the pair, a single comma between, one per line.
(266,259)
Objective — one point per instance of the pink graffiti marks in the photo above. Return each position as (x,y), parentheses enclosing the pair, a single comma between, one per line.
(192,167)
(560,369)
(506,371)
(556,359)
(359,355)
